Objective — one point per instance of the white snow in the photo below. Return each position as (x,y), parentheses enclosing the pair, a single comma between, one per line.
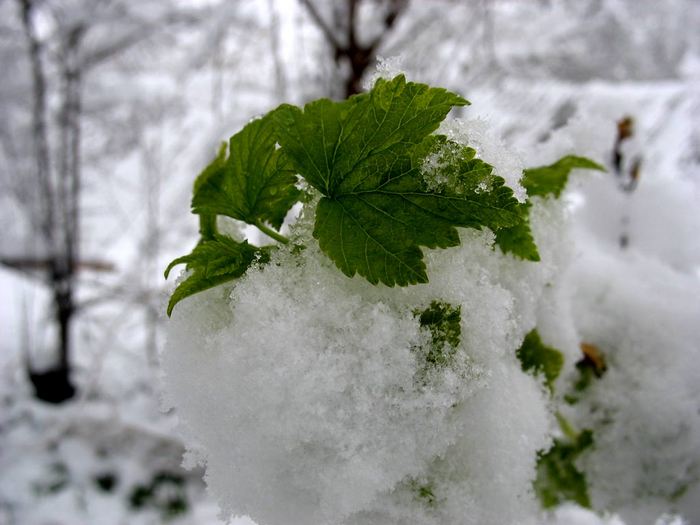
(293,422)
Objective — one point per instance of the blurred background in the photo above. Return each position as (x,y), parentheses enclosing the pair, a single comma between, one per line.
(109,109)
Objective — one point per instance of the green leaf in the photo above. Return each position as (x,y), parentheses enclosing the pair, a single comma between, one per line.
(542,181)
(255,184)
(365,155)
(518,239)
(444,323)
(334,142)
(558,479)
(212,262)
(551,180)
(378,231)
(538,359)
(423,492)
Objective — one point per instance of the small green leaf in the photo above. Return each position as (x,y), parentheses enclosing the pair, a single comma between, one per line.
(542,181)
(254,184)
(212,262)
(558,479)
(538,359)
(518,239)
(424,493)
(551,180)
(444,323)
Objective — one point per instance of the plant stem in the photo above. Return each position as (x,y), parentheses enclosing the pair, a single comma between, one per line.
(271,233)
(566,427)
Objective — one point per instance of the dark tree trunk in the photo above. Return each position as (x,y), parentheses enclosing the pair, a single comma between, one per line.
(360,59)
(53,385)
(344,42)
(58,210)
(40,133)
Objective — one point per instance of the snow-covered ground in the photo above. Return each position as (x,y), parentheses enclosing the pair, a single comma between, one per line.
(112,456)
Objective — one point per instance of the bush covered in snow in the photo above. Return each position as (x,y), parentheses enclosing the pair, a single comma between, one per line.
(519,365)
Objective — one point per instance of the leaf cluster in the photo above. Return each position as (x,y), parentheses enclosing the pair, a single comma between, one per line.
(383,199)
(250,180)
(558,478)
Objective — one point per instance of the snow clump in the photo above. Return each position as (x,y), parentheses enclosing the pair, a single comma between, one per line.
(309,397)
(312,398)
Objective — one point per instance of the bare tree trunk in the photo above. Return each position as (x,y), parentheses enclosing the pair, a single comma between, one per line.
(39,127)
(69,196)
(58,202)
(55,207)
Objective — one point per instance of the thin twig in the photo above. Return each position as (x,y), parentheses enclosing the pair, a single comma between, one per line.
(323,26)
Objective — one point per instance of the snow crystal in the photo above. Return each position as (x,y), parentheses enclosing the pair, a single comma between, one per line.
(476,134)
(387,68)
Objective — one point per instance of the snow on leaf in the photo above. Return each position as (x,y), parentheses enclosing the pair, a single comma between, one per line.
(443,321)
(365,156)
(335,145)
(377,230)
